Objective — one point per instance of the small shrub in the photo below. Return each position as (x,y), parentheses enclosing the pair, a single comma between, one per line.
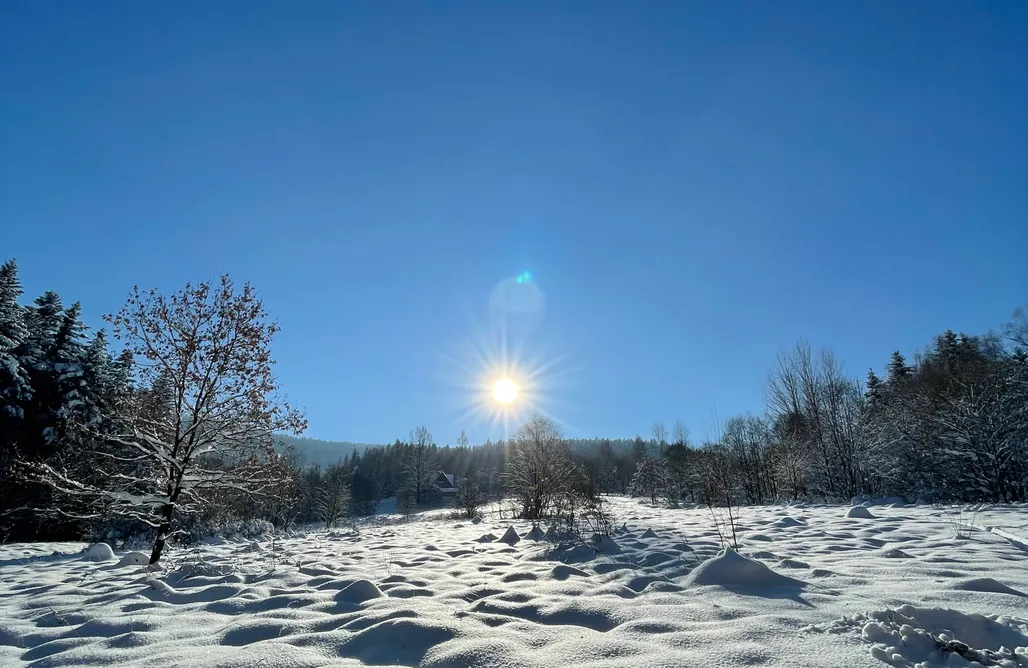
(469,496)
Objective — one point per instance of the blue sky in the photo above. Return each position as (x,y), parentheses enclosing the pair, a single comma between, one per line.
(692,185)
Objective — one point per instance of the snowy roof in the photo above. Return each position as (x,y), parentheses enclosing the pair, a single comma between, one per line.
(445,482)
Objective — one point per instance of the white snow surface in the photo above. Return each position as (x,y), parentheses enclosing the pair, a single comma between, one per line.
(99,552)
(808,586)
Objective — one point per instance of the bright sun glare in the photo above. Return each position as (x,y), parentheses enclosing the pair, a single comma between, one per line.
(505,391)
(496,382)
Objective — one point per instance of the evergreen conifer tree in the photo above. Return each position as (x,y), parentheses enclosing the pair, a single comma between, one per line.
(898,369)
(874,387)
(15,388)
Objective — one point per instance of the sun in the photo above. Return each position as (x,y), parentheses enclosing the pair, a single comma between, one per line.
(505,391)
(494,380)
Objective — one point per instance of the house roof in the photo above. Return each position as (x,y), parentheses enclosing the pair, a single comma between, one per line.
(445,482)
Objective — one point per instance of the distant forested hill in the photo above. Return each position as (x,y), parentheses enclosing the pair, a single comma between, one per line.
(316,451)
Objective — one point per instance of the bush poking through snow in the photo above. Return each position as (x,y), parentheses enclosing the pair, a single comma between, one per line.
(198,531)
(535,534)
(540,471)
(724,524)
(731,570)
(964,524)
(605,544)
(510,536)
(470,497)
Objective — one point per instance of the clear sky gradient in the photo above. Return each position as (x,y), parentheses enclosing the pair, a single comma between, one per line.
(693,185)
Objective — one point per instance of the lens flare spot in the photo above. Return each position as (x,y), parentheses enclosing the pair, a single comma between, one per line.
(505,391)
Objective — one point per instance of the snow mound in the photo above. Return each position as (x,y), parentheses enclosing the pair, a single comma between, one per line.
(859,512)
(535,534)
(399,641)
(731,570)
(358,592)
(510,536)
(788,521)
(987,585)
(792,563)
(563,572)
(572,554)
(605,544)
(486,538)
(940,636)
(649,533)
(134,559)
(99,552)
(307,600)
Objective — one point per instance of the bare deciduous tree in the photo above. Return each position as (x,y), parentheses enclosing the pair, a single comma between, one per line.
(659,433)
(469,496)
(681,433)
(205,421)
(540,469)
(1016,331)
(406,500)
(819,407)
(463,452)
(420,464)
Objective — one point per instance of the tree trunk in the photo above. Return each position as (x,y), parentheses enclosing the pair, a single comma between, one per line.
(166,514)
(162,533)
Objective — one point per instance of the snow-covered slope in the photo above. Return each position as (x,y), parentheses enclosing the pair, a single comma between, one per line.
(809,586)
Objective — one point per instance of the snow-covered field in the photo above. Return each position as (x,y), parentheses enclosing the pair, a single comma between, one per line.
(811,586)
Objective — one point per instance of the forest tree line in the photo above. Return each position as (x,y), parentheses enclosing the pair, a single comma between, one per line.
(951,425)
(175,432)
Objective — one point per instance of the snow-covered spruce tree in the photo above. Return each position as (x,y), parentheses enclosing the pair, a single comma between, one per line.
(15,387)
(953,426)
(203,420)
(540,470)
(650,479)
(72,393)
(334,496)
(37,353)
